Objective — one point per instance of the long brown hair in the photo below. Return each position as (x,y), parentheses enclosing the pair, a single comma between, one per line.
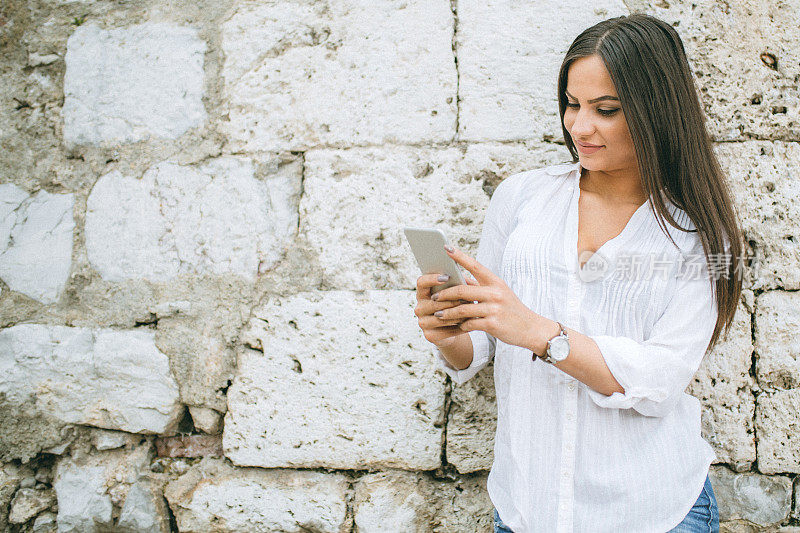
(647,64)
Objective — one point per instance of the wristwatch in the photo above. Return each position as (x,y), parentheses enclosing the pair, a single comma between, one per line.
(557,347)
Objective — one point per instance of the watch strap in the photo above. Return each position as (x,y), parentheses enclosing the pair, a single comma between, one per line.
(546,355)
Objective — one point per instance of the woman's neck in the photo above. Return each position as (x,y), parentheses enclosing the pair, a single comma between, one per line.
(615,188)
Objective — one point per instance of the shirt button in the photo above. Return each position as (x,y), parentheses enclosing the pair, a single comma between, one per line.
(571,386)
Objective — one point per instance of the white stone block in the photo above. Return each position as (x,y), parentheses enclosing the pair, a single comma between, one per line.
(777,420)
(144,510)
(777,321)
(336,379)
(83,504)
(104,439)
(128,84)
(28,503)
(214,497)
(206,420)
(356,203)
(89,485)
(762,500)
(744,96)
(216,218)
(98,377)
(10,478)
(765,182)
(509,54)
(35,241)
(45,523)
(472,423)
(299,75)
(405,501)
(724,387)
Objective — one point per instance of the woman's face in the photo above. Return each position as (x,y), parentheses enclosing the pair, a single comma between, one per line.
(593,116)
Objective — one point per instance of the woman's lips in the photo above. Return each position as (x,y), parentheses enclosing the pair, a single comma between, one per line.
(587,149)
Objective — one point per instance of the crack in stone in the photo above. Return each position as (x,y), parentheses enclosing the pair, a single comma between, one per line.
(454,44)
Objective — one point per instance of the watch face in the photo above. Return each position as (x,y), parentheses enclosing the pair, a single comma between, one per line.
(559,348)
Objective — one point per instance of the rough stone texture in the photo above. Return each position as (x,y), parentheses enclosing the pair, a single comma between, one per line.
(757,40)
(88,487)
(127,84)
(472,422)
(206,420)
(414,502)
(35,241)
(777,427)
(83,501)
(189,446)
(777,324)
(145,509)
(45,523)
(765,182)
(299,75)
(365,390)
(29,109)
(508,74)
(28,503)
(215,497)
(27,430)
(762,500)
(196,322)
(723,385)
(103,439)
(75,376)
(356,202)
(215,218)
(201,343)
(10,478)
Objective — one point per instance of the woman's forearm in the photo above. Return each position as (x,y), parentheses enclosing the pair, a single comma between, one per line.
(584,362)
(459,353)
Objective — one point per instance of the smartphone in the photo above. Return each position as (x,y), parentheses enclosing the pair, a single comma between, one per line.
(427,244)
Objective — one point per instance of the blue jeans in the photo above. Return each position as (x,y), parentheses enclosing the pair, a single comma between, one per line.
(703,517)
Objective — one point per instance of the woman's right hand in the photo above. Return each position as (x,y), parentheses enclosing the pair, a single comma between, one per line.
(436,330)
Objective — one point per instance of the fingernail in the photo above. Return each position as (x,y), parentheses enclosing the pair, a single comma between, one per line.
(435,297)
(443,277)
(438,313)
(448,247)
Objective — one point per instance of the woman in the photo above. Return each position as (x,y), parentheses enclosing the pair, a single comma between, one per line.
(596,312)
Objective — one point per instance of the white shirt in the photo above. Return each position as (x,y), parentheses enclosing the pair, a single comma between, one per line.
(567,457)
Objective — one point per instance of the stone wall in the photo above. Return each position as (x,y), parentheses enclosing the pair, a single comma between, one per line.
(206,299)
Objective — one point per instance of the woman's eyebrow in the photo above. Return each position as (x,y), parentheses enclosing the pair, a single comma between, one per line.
(593,100)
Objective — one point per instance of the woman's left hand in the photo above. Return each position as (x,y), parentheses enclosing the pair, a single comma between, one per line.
(498,312)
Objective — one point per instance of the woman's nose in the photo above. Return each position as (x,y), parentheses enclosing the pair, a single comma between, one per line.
(582,126)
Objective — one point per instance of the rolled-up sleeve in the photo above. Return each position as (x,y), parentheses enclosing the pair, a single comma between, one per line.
(483,346)
(497,225)
(656,372)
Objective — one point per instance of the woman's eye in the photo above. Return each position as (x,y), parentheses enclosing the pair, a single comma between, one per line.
(604,112)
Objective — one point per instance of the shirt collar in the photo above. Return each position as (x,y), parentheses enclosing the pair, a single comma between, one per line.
(564,168)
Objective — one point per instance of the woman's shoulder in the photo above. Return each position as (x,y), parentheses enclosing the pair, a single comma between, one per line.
(686,235)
